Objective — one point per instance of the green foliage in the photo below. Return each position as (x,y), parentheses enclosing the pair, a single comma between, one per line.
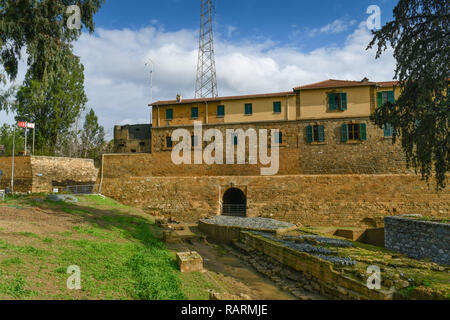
(52,95)
(6,139)
(420,37)
(92,137)
(41,28)
(15,287)
(53,107)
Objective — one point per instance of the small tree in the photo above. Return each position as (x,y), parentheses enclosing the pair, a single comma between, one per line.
(92,137)
(420,36)
(53,106)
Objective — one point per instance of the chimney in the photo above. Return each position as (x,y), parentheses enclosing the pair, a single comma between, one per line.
(179,98)
(365,80)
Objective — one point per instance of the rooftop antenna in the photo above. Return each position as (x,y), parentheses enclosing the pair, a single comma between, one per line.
(206,84)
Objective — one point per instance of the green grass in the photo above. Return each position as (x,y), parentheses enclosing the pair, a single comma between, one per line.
(15,287)
(12,261)
(119,254)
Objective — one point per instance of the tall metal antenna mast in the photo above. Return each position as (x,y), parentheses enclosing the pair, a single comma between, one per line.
(206,84)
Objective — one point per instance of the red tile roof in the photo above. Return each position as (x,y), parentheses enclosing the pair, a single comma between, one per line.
(187,101)
(332,83)
(388,83)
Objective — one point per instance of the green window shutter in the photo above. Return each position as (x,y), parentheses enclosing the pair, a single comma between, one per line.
(343,101)
(248,109)
(220,111)
(380,99)
(344,132)
(169,114)
(321,133)
(391,96)
(331,102)
(309,134)
(277,107)
(169,142)
(387,130)
(363,131)
(194,113)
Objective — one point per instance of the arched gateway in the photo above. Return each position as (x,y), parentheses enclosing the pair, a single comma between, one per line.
(234,203)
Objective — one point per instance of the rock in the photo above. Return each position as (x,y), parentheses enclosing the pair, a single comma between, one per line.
(189,261)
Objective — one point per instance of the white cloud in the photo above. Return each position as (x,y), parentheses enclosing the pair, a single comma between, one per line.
(118,83)
(337,26)
(230,31)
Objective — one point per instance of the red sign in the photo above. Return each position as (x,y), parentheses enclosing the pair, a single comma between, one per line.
(22,124)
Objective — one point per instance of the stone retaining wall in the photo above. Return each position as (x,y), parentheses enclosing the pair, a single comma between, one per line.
(41,174)
(323,200)
(418,239)
(328,281)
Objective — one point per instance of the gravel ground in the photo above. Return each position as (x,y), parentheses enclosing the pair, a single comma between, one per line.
(62,197)
(328,241)
(249,223)
(317,251)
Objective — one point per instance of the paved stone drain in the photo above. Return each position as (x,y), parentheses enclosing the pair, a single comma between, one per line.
(313,245)
(249,223)
(302,286)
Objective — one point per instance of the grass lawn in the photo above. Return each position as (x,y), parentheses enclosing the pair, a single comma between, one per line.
(117,248)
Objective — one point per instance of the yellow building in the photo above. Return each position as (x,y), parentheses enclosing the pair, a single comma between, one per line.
(251,108)
(330,99)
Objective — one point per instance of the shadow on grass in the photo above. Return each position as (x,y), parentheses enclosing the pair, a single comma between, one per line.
(150,265)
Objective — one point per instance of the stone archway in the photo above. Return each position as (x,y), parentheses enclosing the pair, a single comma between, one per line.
(234,203)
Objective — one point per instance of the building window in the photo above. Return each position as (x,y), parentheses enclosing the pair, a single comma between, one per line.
(337,101)
(169,114)
(220,111)
(235,140)
(385,96)
(388,131)
(354,132)
(194,113)
(277,107)
(279,138)
(382,98)
(169,143)
(248,109)
(194,141)
(142,144)
(315,133)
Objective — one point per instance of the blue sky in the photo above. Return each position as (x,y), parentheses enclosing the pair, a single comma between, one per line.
(253,19)
(261,47)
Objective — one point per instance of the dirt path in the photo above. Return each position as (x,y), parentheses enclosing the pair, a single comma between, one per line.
(233,275)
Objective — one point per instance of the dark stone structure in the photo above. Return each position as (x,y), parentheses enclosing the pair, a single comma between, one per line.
(133,138)
(418,239)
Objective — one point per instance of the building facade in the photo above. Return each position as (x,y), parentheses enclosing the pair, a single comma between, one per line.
(133,138)
(329,112)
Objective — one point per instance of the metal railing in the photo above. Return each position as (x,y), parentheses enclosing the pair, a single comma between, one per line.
(86,189)
(234,210)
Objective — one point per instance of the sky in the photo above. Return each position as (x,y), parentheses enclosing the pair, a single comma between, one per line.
(260,46)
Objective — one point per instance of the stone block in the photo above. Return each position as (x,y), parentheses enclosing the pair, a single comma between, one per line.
(189,261)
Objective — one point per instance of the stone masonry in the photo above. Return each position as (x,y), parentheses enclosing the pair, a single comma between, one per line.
(418,239)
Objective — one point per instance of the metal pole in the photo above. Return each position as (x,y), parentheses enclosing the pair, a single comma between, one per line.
(26,129)
(151,92)
(12,166)
(34,135)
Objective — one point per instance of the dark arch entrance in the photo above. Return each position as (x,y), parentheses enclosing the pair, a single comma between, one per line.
(234,203)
